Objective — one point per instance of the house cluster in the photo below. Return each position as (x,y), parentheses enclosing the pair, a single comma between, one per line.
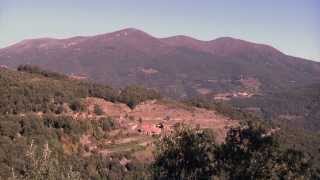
(228,96)
(3,67)
(153,128)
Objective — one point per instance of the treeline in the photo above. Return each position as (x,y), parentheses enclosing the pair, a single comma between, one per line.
(35,90)
(222,108)
(290,133)
(37,70)
(300,105)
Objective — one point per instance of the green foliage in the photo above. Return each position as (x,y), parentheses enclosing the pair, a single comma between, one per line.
(77,106)
(186,154)
(133,95)
(253,152)
(222,108)
(43,164)
(300,106)
(300,139)
(22,92)
(291,133)
(201,102)
(20,159)
(97,110)
(108,124)
(65,123)
(100,91)
(293,164)
(249,152)
(36,90)
(36,70)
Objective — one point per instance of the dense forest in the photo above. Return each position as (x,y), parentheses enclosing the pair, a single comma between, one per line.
(35,90)
(35,126)
(40,137)
(298,105)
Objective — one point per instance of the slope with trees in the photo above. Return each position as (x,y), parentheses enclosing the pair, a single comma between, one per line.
(41,137)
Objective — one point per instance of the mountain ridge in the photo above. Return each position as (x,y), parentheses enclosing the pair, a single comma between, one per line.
(180,66)
(137,32)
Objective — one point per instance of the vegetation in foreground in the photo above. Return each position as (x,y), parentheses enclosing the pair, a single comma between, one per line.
(46,146)
(289,133)
(249,152)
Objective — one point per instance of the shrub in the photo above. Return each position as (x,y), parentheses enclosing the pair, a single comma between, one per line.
(133,95)
(223,108)
(44,164)
(108,123)
(29,69)
(65,123)
(60,109)
(36,70)
(97,110)
(101,91)
(185,154)
(77,106)
(201,102)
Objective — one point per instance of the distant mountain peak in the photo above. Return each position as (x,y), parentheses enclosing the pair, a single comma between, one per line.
(222,44)
(128,32)
(181,37)
(181,65)
(183,41)
(234,45)
(139,39)
(130,29)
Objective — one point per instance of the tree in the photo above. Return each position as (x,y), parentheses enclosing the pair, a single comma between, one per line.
(76,106)
(248,153)
(133,95)
(44,165)
(37,70)
(252,152)
(185,154)
(293,164)
(97,110)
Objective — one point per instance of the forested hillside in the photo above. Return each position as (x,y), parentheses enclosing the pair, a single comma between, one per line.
(43,137)
(299,107)
(53,126)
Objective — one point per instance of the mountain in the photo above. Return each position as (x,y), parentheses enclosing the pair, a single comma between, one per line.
(179,66)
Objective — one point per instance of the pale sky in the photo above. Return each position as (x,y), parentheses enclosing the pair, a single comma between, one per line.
(292,26)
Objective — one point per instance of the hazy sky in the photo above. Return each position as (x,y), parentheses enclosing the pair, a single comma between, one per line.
(292,26)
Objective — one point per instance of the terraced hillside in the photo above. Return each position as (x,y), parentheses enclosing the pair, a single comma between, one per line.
(85,125)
